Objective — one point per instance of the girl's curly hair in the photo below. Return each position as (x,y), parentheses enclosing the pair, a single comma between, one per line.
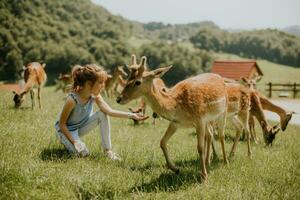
(89,72)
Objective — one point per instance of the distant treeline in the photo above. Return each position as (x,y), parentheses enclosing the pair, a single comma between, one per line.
(60,33)
(184,61)
(273,45)
(63,33)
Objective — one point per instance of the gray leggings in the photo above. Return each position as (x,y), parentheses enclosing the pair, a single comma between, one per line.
(94,120)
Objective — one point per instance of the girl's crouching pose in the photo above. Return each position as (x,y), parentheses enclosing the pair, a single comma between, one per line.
(77,118)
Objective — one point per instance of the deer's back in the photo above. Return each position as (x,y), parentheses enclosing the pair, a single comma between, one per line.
(35,72)
(238,98)
(201,95)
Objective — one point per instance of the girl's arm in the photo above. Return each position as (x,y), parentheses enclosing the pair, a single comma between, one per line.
(68,107)
(105,108)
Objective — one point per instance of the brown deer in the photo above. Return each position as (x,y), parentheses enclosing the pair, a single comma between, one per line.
(114,79)
(64,82)
(34,76)
(243,102)
(251,84)
(193,102)
(140,109)
(285,117)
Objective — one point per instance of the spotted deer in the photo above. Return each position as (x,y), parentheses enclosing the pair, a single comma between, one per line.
(193,102)
(64,82)
(242,103)
(34,76)
(114,79)
(140,109)
(285,117)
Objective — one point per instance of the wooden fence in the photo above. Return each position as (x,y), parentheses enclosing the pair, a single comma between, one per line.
(285,89)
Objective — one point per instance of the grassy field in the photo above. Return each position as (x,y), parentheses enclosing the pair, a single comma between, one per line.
(33,165)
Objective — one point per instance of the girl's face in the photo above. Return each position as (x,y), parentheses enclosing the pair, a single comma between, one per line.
(97,87)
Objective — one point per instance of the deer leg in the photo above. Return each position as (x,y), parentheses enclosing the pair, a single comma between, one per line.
(244,117)
(208,136)
(238,127)
(163,144)
(221,122)
(32,99)
(252,129)
(201,149)
(39,97)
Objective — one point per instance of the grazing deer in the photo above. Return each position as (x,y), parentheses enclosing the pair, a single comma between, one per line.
(140,109)
(243,102)
(285,117)
(64,82)
(34,76)
(114,79)
(193,102)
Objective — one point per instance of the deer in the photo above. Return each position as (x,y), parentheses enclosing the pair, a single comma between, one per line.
(114,79)
(64,82)
(34,76)
(285,117)
(119,85)
(242,103)
(191,103)
(251,84)
(140,109)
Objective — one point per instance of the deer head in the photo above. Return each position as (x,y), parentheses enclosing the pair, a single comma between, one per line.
(251,83)
(269,133)
(139,79)
(18,98)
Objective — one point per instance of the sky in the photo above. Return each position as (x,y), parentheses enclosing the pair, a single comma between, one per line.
(232,14)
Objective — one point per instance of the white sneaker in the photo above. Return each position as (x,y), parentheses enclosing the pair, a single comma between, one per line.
(112,155)
(81,148)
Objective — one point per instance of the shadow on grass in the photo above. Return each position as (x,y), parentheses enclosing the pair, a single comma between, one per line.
(55,154)
(84,192)
(22,108)
(169,181)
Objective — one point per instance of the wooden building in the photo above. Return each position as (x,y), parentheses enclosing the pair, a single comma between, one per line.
(236,69)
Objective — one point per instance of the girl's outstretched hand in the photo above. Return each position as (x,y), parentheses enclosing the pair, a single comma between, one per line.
(138,116)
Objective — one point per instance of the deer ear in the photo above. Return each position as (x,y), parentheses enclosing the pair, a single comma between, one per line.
(23,67)
(258,79)
(44,65)
(244,79)
(276,129)
(160,71)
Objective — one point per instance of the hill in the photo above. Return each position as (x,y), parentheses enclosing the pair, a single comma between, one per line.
(60,33)
(295,30)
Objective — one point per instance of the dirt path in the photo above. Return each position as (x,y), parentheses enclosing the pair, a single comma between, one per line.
(288,105)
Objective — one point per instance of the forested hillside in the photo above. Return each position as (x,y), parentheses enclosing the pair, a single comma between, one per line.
(60,33)
(176,32)
(269,44)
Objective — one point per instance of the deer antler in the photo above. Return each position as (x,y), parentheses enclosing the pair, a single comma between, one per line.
(142,67)
(133,59)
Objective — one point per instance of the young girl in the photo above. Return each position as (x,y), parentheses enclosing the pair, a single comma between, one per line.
(77,118)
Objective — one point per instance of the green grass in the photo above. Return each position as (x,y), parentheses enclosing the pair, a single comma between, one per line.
(33,165)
